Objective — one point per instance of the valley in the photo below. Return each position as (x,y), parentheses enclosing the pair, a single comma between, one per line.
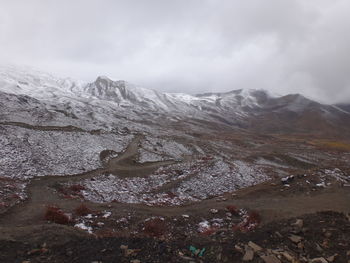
(133,167)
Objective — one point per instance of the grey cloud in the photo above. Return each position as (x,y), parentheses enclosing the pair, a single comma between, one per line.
(186,46)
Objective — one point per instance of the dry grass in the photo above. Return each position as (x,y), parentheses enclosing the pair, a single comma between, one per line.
(332,145)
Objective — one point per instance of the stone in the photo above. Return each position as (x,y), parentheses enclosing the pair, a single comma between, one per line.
(270,259)
(300,245)
(299,223)
(319,260)
(319,248)
(287,256)
(295,238)
(332,258)
(249,254)
(239,249)
(37,251)
(328,234)
(129,252)
(348,216)
(123,247)
(278,234)
(276,251)
(254,246)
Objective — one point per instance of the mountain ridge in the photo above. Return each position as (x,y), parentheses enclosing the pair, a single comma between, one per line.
(106,101)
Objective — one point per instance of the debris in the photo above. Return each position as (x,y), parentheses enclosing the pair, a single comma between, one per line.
(201,253)
(197,252)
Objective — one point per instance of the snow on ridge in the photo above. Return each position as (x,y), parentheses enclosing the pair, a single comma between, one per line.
(41,85)
(34,83)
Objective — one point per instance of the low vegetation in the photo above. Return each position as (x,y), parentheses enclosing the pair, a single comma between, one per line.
(56,215)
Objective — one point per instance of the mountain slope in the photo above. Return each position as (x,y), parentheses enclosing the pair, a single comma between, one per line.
(36,97)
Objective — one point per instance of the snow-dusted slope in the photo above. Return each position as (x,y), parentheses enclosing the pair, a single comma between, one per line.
(109,104)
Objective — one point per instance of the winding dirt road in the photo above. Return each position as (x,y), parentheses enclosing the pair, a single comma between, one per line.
(41,192)
(264,197)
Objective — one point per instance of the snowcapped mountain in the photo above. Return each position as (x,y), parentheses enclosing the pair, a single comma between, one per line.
(34,97)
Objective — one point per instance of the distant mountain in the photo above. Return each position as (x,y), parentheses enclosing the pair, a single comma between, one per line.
(36,97)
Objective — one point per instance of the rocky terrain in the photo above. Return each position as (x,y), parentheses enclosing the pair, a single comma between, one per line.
(111,172)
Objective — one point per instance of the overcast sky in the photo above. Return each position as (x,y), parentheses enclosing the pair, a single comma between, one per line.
(193,46)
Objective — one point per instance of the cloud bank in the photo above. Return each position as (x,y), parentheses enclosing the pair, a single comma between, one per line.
(190,46)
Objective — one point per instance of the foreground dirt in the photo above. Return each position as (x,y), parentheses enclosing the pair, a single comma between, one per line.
(293,240)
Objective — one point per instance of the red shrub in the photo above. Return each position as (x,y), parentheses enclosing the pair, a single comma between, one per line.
(15,196)
(154,227)
(232,209)
(83,210)
(249,222)
(207,158)
(171,195)
(56,215)
(102,233)
(76,187)
(209,231)
(254,218)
